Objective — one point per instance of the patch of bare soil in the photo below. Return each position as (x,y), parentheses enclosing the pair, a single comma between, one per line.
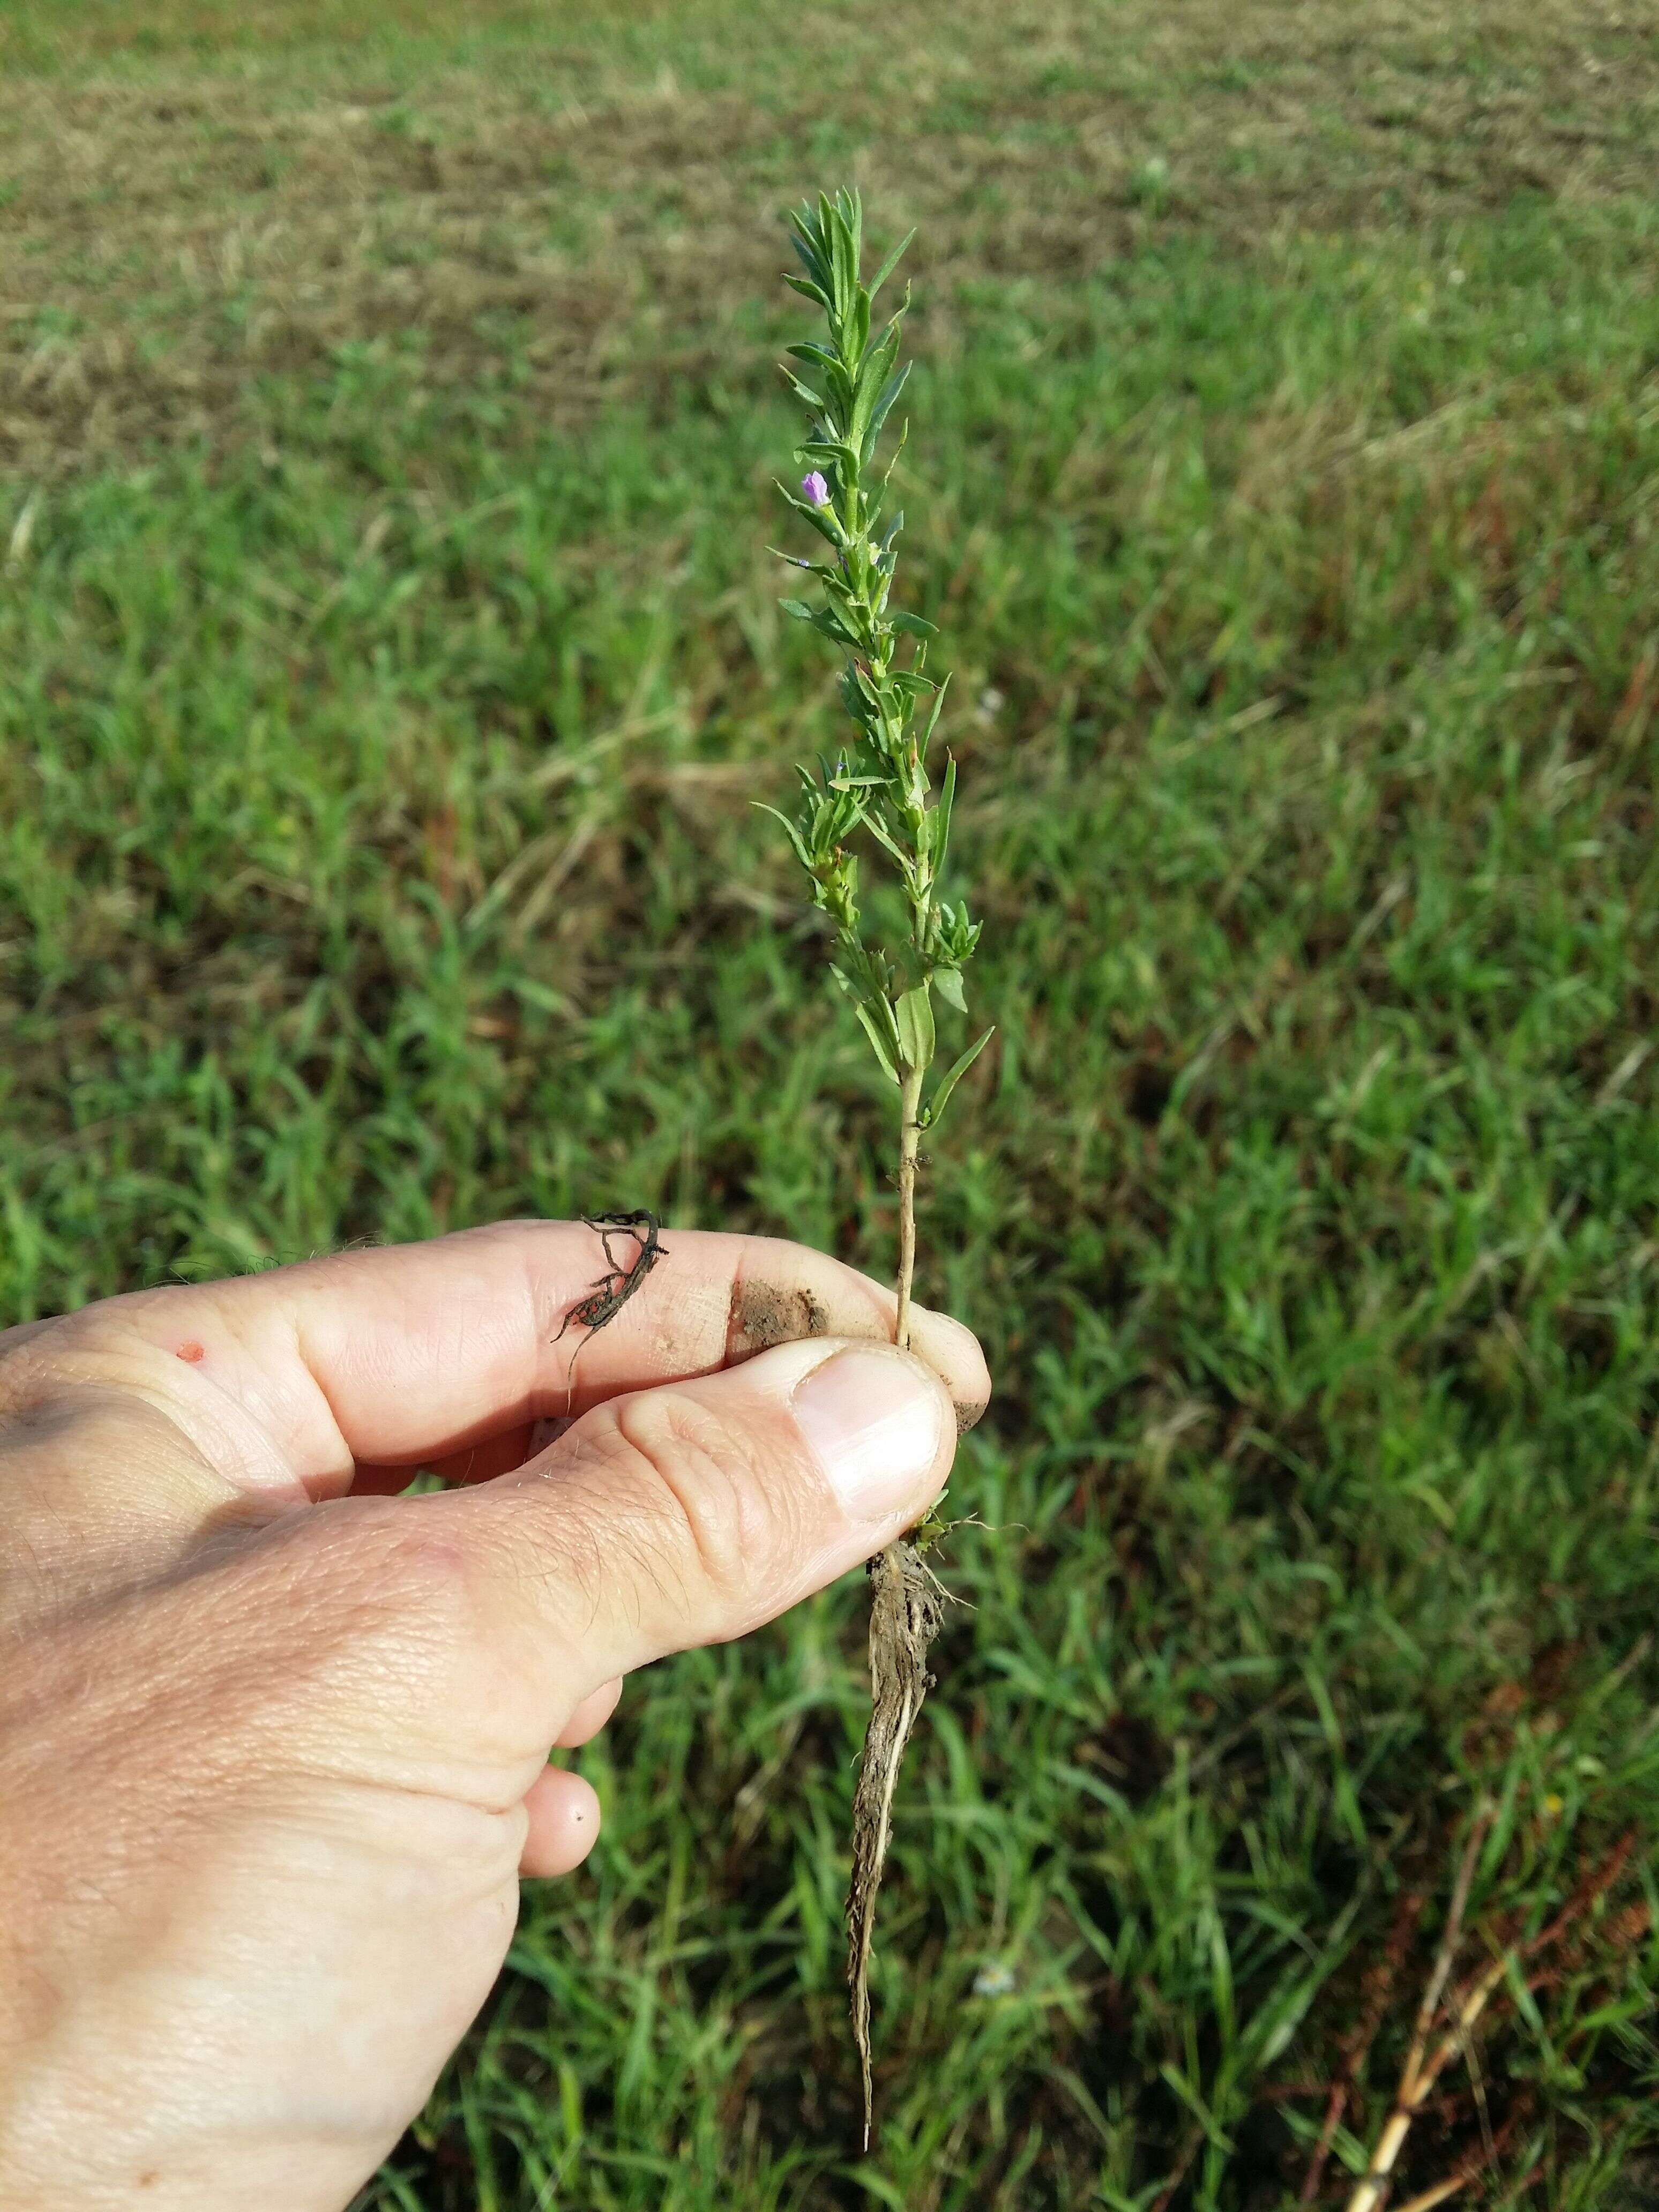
(171,244)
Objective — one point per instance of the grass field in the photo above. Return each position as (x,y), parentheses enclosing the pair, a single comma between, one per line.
(388,650)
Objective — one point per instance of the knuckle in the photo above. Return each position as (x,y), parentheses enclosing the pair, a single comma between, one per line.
(29,1372)
(703,1491)
(367,1598)
(410,1574)
(400,1610)
(78,1360)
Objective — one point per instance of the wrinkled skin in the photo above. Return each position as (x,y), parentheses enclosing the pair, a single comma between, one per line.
(273,1739)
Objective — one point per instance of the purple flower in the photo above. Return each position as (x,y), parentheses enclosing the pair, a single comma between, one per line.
(816,489)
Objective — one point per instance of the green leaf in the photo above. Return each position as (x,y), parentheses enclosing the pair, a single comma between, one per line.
(933,720)
(837,383)
(939,839)
(864,689)
(822,519)
(877,1040)
(807,254)
(811,241)
(940,1098)
(893,458)
(948,981)
(789,831)
(852,213)
(842,267)
(798,610)
(914,1016)
(912,686)
(827,620)
(891,263)
(835,450)
(884,837)
(918,625)
(874,370)
(879,414)
(860,321)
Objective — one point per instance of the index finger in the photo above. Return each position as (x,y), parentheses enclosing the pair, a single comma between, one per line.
(410,1353)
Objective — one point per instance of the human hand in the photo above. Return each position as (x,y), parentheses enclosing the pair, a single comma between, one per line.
(273,1741)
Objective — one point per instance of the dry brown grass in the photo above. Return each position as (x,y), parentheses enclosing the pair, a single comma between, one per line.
(185,222)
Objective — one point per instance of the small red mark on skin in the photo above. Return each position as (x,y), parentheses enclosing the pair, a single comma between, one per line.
(191,1353)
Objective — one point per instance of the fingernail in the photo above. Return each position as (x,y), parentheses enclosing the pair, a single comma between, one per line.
(874,1421)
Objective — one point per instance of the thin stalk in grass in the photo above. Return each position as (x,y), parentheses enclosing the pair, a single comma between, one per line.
(876,799)
(909,1151)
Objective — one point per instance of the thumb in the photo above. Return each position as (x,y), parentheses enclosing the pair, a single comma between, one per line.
(691,1514)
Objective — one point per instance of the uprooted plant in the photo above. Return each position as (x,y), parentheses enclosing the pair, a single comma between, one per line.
(877,796)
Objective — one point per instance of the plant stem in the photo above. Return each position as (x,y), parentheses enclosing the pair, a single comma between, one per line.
(909,1145)
(1422,2071)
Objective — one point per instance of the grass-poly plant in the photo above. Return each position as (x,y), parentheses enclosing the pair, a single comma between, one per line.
(877,798)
